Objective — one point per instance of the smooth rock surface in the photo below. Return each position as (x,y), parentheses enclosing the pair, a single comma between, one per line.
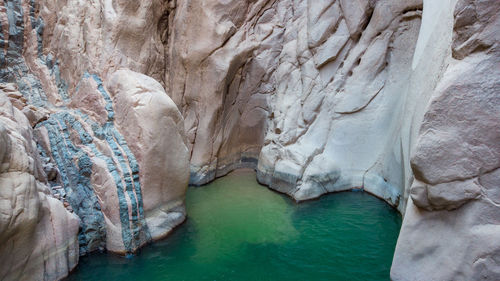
(154,127)
(294,84)
(38,236)
(398,98)
(452,222)
(111,168)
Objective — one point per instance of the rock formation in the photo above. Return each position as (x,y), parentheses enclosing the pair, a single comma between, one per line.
(398,98)
(110,140)
(37,233)
(451,226)
(353,91)
(317,92)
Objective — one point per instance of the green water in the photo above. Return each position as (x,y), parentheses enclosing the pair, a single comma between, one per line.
(239,230)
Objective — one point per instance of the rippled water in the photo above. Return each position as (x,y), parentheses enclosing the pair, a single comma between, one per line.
(239,230)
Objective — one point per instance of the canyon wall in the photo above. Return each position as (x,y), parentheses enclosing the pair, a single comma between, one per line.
(451,225)
(38,235)
(316,92)
(93,131)
(399,98)
(120,103)
(282,61)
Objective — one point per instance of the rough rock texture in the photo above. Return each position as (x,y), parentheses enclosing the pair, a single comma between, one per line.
(37,234)
(451,225)
(74,69)
(344,127)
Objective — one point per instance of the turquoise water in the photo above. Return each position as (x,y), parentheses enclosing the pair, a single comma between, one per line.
(239,230)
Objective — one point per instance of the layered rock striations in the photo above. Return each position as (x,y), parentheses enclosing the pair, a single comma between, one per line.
(87,79)
(38,235)
(119,103)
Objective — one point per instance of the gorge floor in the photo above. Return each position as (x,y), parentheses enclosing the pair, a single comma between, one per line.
(239,230)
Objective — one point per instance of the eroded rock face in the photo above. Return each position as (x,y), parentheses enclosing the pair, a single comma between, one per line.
(38,235)
(77,68)
(316,91)
(318,96)
(452,217)
(219,72)
(343,126)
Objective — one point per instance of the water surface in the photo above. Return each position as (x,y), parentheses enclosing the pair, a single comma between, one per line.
(239,230)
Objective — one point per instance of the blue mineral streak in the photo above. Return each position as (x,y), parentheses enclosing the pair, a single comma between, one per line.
(134,228)
(74,159)
(133,187)
(75,178)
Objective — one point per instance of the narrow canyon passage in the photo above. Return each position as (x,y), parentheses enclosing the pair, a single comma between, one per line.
(109,110)
(239,230)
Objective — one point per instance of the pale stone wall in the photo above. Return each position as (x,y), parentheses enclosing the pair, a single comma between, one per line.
(399,98)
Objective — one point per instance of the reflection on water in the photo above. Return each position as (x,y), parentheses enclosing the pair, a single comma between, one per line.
(239,230)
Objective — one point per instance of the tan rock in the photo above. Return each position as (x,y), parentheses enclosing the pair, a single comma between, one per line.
(38,236)
(154,128)
(455,160)
(62,53)
(318,96)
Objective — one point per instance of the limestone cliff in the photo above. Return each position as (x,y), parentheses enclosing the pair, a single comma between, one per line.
(399,98)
